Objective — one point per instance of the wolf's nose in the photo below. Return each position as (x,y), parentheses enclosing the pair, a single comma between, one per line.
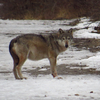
(66,45)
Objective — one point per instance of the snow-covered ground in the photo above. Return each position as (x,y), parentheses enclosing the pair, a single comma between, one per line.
(44,87)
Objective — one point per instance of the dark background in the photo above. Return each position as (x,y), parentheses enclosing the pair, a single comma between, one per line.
(49,9)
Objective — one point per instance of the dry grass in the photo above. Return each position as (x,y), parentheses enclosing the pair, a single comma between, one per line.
(50,9)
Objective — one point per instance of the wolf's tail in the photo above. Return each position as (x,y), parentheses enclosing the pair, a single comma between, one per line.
(13,53)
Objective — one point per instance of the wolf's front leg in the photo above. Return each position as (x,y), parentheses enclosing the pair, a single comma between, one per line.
(53,66)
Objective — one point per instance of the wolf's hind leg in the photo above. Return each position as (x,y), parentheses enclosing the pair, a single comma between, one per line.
(18,67)
(16,62)
(15,71)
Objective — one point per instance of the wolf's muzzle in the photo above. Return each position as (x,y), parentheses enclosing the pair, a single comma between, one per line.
(66,45)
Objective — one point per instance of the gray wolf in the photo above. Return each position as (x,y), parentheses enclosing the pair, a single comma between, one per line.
(36,47)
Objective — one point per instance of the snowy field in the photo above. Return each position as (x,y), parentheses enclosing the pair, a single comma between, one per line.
(45,87)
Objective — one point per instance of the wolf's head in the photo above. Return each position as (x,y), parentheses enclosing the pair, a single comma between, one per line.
(62,39)
(68,34)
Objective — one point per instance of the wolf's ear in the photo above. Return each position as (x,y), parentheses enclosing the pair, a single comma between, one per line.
(61,31)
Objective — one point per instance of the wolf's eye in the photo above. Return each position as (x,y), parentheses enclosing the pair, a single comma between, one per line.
(63,38)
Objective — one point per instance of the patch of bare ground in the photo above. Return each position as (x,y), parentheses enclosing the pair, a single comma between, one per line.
(64,70)
(92,45)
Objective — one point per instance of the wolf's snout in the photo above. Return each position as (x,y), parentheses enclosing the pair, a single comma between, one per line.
(66,45)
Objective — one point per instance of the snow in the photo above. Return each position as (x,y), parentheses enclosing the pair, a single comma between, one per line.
(30,26)
(45,87)
(86,33)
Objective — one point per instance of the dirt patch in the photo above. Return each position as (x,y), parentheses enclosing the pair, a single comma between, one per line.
(64,70)
(93,45)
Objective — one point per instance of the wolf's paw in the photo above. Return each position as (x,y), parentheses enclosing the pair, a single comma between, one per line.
(58,77)
(23,78)
(54,75)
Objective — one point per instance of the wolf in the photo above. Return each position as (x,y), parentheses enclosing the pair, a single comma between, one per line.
(36,47)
